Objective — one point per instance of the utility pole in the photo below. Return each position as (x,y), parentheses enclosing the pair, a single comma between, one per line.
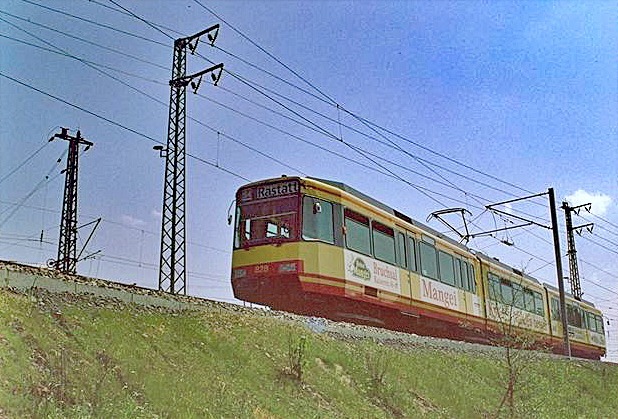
(66,261)
(556,237)
(172,273)
(558,256)
(573,268)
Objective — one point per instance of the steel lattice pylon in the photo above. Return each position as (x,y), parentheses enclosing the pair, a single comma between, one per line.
(576,289)
(172,271)
(67,246)
(172,274)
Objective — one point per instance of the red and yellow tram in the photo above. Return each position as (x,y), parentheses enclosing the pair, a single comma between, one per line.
(321,248)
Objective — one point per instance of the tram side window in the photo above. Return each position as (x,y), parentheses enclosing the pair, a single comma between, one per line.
(539,308)
(318,220)
(447,272)
(466,280)
(590,321)
(555,309)
(458,281)
(599,321)
(528,300)
(494,287)
(574,316)
(358,236)
(429,260)
(383,242)
(472,278)
(412,247)
(506,291)
(518,296)
(402,254)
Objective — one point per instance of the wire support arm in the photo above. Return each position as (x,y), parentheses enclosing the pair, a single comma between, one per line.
(215,70)
(438,215)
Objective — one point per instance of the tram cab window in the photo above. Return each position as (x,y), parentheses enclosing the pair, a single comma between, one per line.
(272,227)
(318,220)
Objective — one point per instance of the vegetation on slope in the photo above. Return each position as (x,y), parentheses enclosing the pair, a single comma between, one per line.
(63,355)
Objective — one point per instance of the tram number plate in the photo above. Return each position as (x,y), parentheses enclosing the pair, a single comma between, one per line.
(263,269)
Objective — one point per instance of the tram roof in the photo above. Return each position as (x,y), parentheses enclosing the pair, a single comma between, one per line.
(431,231)
(392,211)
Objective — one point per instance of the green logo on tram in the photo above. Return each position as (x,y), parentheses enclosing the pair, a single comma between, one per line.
(359,269)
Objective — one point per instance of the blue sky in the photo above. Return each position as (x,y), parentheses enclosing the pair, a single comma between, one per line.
(523,92)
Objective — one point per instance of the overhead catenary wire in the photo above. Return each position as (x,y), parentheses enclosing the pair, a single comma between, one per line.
(126,73)
(325,132)
(259,152)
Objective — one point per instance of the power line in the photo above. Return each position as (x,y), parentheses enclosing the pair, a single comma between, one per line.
(320,129)
(335,103)
(314,123)
(356,149)
(51,9)
(64,54)
(264,51)
(38,186)
(117,124)
(143,20)
(127,13)
(23,163)
(209,163)
(63,32)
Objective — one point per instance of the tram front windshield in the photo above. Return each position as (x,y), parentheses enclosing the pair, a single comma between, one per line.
(267,214)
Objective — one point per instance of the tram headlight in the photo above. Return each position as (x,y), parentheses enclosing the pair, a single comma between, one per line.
(288,267)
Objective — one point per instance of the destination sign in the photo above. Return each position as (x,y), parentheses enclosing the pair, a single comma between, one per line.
(272,190)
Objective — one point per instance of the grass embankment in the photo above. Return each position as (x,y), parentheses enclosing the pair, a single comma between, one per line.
(66,356)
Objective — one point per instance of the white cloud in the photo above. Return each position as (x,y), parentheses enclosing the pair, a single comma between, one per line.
(132,221)
(156,214)
(600,201)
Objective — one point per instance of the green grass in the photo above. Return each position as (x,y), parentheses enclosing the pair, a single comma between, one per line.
(87,358)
